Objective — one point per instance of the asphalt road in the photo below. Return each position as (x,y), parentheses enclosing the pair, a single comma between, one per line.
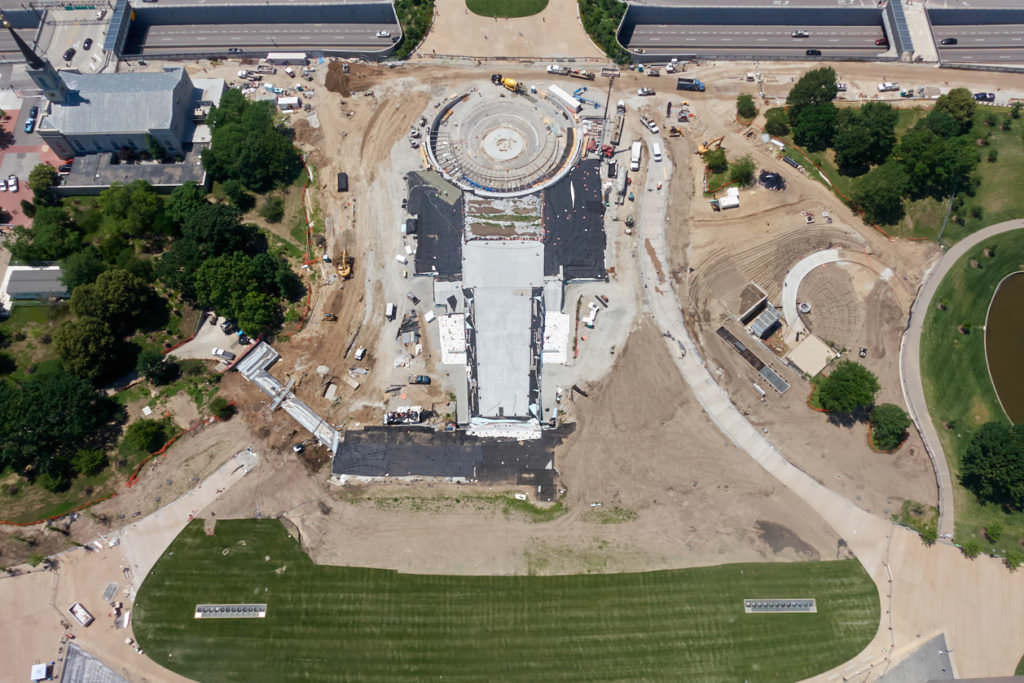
(910,366)
(207,37)
(992,44)
(856,41)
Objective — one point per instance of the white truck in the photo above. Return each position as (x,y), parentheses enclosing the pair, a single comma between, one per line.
(635,153)
(557,69)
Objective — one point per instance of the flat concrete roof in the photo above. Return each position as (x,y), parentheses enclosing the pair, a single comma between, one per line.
(503,363)
(503,264)
(92,173)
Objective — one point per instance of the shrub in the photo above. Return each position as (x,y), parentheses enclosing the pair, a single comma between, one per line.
(849,387)
(1014,558)
(991,466)
(272,210)
(90,461)
(930,535)
(994,531)
(889,425)
(745,107)
(220,407)
(993,154)
(142,438)
(776,122)
(971,549)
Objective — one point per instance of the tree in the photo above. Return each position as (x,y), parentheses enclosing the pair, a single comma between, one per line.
(236,194)
(852,144)
(776,122)
(992,466)
(960,104)
(1014,558)
(118,298)
(889,425)
(971,549)
(81,268)
(47,419)
(742,172)
(994,531)
(880,120)
(879,193)
(89,461)
(815,126)
(848,388)
(28,208)
(814,88)
(941,123)
(183,202)
(745,107)
(52,236)
(929,535)
(247,145)
(156,367)
(41,180)
(272,210)
(935,166)
(716,160)
(142,438)
(87,347)
(258,312)
(132,209)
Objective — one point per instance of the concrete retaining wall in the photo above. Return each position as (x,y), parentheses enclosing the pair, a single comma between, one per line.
(965,17)
(363,13)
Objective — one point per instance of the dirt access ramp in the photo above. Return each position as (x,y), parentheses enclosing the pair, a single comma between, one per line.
(555,32)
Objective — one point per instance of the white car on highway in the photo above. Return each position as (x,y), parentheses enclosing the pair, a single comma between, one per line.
(383,34)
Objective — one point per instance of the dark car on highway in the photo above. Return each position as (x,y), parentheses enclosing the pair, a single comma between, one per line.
(813,53)
(68,54)
(882,42)
(948,41)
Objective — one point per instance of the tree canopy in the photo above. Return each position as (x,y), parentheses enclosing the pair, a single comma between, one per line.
(880,192)
(992,466)
(776,121)
(245,288)
(815,87)
(134,209)
(87,347)
(745,107)
(41,180)
(248,146)
(815,126)
(51,237)
(47,419)
(960,104)
(849,387)
(118,298)
(81,267)
(936,166)
(889,424)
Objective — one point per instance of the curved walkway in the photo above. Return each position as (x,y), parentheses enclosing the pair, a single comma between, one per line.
(910,366)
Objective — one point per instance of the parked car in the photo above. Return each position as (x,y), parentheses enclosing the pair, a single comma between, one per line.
(33,112)
(800,34)
(30,125)
(12,183)
(228,327)
(644,92)
(948,41)
(222,354)
(360,353)
(68,54)
(813,53)
(66,168)
(3,185)
(882,42)
(985,96)
(888,86)
(419,379)
(383,34)
(87,43)
(841,87)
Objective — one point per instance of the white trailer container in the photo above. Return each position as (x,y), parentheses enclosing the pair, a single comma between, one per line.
(636,152)
(81,614)
(288,103)
(286,58)
(566,99)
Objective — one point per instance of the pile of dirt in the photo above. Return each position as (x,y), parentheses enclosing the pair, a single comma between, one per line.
(337,79)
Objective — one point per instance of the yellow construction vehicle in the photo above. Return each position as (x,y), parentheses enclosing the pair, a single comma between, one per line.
(330,318)
(674,132)
(706,147)
(511,84)
(345,266)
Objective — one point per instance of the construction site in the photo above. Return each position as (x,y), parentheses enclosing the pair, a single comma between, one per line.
(486,322)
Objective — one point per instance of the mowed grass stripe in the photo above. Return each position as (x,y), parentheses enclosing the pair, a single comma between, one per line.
(340,623)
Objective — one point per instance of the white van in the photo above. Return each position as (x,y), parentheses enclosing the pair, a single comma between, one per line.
(389,311)
(656,151)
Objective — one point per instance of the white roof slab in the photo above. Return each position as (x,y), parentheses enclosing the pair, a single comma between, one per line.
(503,264)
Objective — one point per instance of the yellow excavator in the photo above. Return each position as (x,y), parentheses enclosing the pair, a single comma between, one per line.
(345,266)
(706,147)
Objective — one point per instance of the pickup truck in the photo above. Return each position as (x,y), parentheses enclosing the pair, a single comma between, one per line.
(419,379)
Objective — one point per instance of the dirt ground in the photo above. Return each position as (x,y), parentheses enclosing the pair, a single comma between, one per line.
(554,32)
(661,505)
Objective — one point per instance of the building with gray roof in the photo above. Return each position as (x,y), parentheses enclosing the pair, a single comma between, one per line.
(27,283)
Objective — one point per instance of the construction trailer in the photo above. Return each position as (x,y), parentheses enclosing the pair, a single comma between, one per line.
(566,99)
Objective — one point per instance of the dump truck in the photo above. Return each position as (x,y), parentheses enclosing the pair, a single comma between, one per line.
(620,121)
(690,84)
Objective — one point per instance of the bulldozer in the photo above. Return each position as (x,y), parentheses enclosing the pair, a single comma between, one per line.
(345,266)
(706,147)
(330,318)
(674,132)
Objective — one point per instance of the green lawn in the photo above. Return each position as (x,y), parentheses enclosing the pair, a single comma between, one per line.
(955,377)
(506,8)
(338,623)
(998,197)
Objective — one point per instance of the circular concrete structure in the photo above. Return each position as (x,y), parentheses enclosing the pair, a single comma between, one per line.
(496,143)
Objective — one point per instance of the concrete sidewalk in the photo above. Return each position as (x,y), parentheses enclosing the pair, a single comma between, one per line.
(910,366)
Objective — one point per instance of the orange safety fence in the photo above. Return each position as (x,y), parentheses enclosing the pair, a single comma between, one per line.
(134,476)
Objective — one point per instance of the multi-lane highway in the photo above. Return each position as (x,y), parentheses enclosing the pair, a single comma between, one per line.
(835,41)
(991,44)
(202,38)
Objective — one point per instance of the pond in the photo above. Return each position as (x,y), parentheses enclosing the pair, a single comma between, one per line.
(1004,344)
